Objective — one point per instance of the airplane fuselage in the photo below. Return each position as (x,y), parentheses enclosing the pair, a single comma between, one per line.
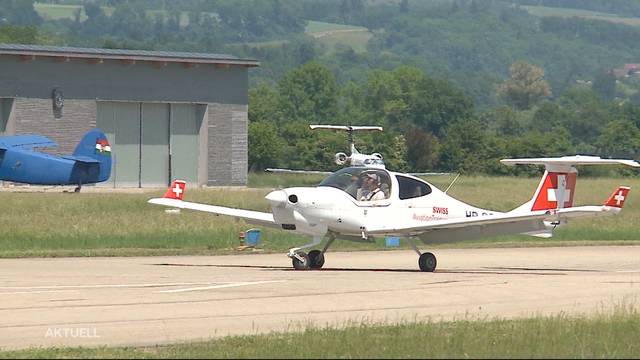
(26,166)
(315,211)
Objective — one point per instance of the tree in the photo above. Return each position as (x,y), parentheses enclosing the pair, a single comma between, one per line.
(265,147)
(620,138)
(19,12)
(264,104)
(308,94)
(463,147)
(604,84)
(525,87)
(423,150)
(18,34)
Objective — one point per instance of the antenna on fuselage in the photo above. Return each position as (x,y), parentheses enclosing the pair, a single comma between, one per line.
(450,185)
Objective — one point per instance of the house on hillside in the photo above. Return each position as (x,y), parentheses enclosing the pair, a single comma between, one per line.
(627,70)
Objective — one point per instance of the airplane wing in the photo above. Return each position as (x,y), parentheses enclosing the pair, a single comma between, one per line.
(27,141)
(501,224)
(173,198)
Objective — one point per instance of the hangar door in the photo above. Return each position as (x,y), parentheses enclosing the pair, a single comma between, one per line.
(152,143)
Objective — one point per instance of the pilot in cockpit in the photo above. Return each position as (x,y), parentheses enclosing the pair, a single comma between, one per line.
(371,189)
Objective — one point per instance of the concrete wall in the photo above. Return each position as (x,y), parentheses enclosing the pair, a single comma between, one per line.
(227,132)
(115,80)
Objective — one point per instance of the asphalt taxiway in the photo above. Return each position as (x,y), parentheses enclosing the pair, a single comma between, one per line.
(152,300)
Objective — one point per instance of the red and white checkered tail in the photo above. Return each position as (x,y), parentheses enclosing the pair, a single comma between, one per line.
(176,190)
(555,191)
(618,197)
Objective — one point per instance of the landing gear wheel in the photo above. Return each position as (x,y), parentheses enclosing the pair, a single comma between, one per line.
(316,259)
(427,262)
(300,264)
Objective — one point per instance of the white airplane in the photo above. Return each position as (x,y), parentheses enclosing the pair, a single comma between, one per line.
(397,204)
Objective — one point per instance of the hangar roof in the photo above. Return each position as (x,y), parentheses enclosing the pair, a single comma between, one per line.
(97,55)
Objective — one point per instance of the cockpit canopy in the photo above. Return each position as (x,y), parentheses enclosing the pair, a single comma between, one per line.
(362,183)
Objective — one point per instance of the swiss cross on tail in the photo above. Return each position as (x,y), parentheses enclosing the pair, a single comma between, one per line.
(556,191)
(103,147)
(618,197)
(176,190)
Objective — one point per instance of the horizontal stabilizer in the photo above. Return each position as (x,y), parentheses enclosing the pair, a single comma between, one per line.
(82,159)
(569,161)
(27,141)
(346,128)
(292,171)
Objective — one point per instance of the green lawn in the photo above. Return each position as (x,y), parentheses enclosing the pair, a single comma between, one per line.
(319,26)
(89,224)
(612,335)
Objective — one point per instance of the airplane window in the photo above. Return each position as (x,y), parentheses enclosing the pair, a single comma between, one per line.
(411,188)
(360,182)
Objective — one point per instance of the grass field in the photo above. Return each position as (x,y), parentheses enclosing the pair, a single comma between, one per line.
(331,34)
(586,14)
(60,11)
(612,335)
(109,224)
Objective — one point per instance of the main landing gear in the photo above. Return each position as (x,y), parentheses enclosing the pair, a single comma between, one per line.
(426,262)
(313,260)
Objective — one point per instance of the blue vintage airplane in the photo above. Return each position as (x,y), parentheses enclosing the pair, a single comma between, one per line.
(90,162)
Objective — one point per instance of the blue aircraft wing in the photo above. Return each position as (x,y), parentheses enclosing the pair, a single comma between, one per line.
(26,142)
(83,159)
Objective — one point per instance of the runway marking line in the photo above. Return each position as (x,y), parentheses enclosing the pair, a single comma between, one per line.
(220,286)
(54,288)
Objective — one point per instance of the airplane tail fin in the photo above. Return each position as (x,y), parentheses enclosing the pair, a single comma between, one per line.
(176,190)
(616,200)
(557,187)
(94,145)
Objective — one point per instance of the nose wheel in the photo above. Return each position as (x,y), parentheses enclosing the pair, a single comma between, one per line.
(427,262)
(314,260)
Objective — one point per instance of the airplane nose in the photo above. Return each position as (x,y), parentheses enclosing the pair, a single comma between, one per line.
(277,198)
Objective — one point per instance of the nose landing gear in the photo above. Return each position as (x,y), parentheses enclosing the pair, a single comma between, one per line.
(314,260)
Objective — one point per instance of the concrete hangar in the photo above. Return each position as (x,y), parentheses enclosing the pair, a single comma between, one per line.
(167,115)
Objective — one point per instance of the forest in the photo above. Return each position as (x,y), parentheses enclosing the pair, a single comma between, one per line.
(457,84)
